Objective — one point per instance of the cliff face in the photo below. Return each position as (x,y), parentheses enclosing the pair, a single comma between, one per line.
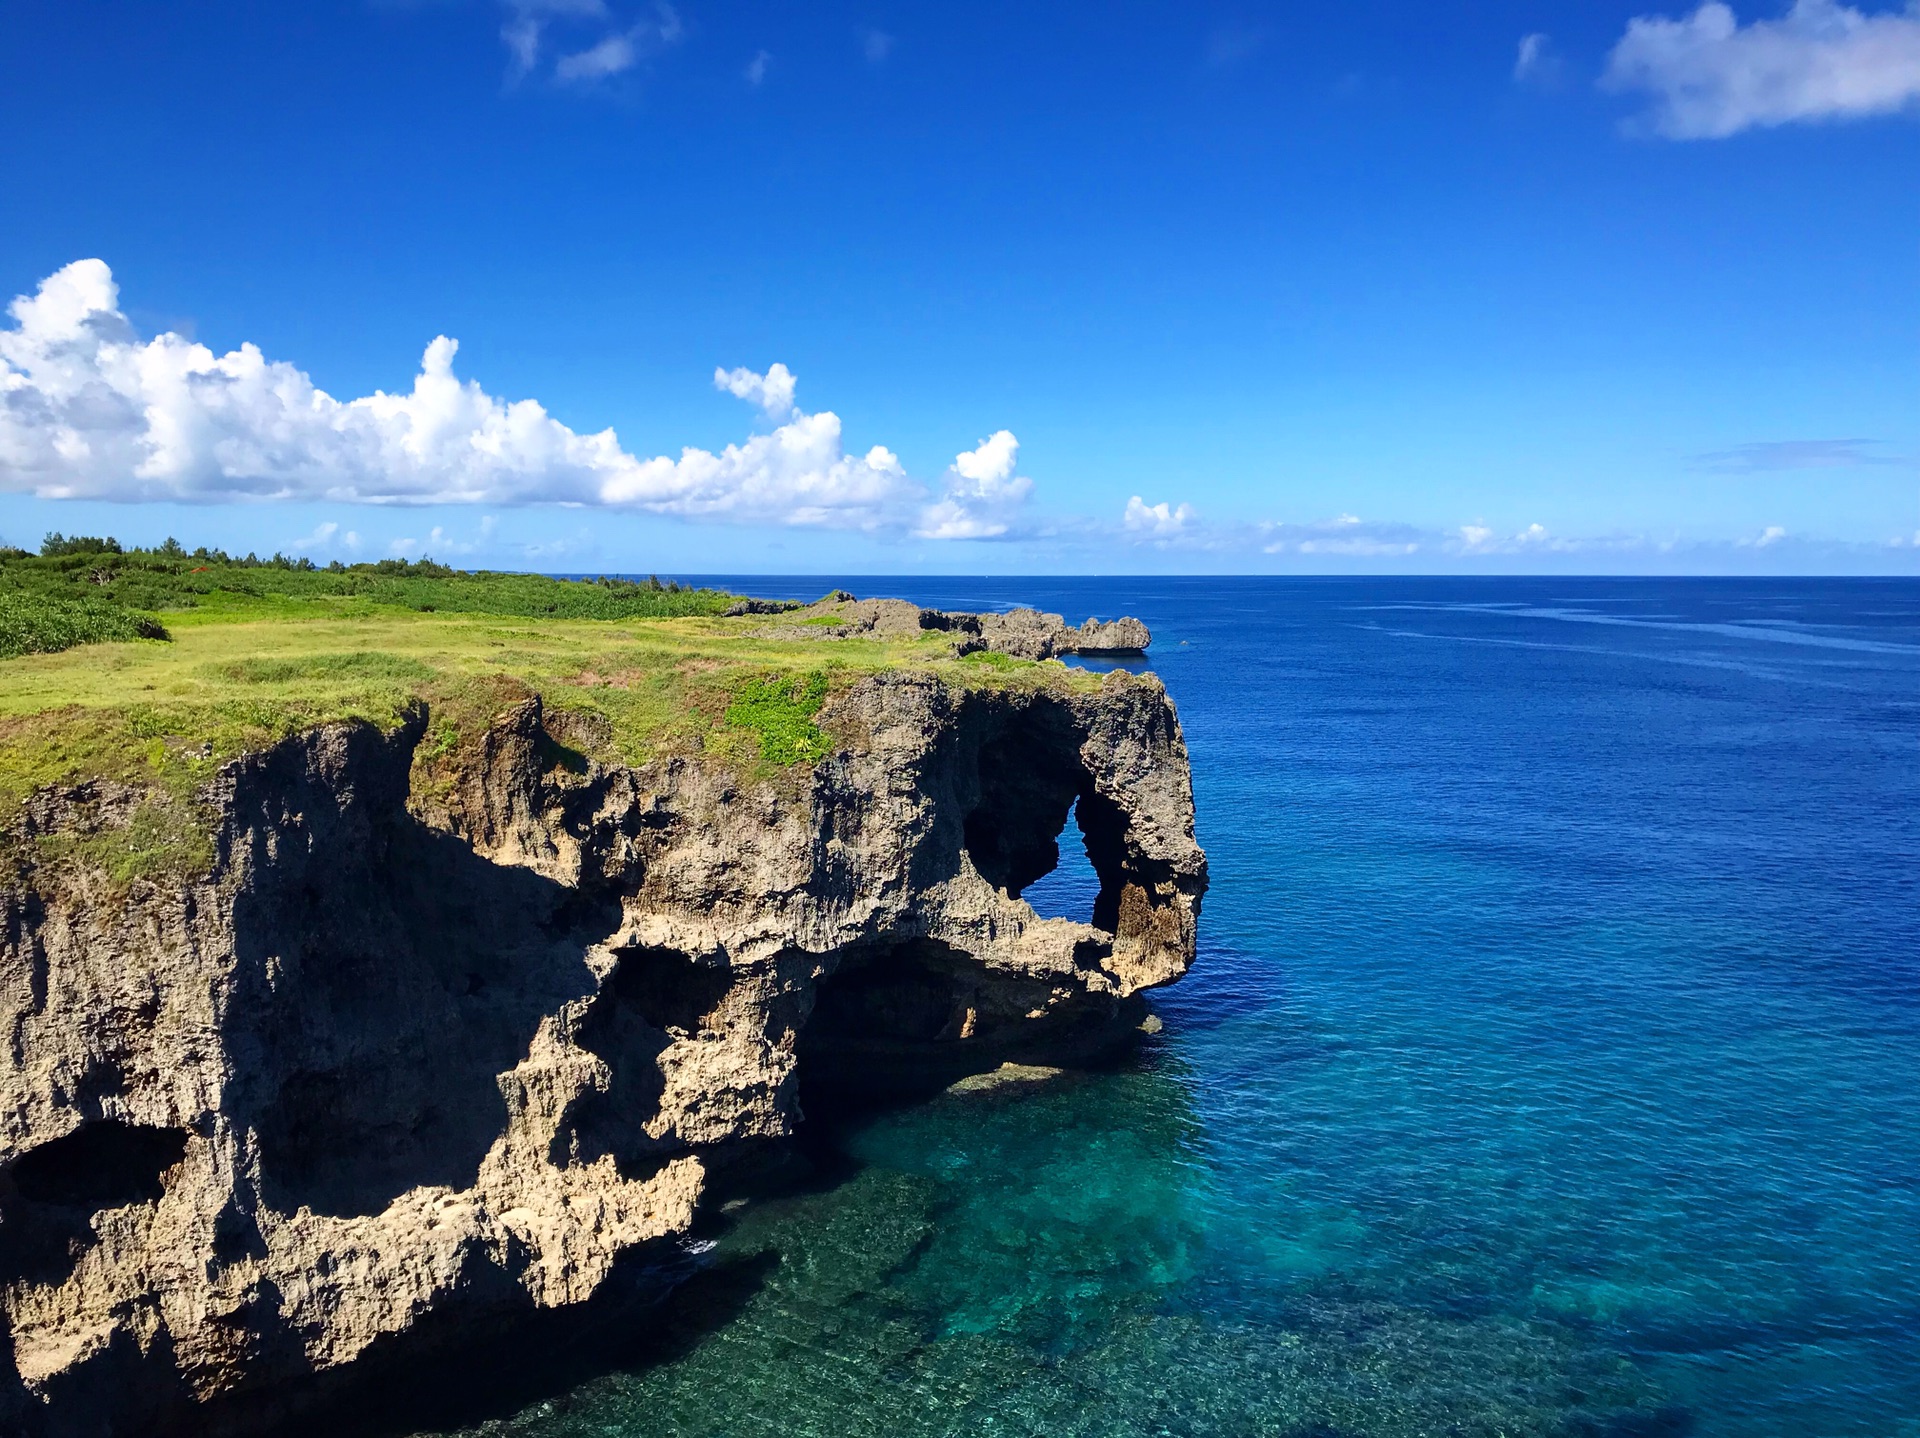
(431,1056)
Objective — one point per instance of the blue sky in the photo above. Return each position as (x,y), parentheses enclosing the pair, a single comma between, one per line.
(1129,287)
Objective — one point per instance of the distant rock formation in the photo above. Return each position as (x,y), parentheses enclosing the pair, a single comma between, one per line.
(1022,633)
(413,1060)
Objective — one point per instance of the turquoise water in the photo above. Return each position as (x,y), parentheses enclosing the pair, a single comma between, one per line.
(1549,1066)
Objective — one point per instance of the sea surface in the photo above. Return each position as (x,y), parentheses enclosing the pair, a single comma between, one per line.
(1550,1065)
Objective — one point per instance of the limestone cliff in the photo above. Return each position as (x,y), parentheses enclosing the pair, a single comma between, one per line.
(413,1055)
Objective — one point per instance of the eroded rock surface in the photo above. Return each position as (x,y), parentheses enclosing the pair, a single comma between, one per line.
(410,1059)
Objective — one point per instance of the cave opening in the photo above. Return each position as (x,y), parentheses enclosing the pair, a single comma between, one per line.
(100,1165)
(50,1194)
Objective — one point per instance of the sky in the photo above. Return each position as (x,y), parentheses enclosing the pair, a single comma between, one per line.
(623,286)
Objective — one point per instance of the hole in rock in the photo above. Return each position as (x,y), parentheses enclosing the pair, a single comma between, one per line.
(1031,783)
(901,993)
(1071,889)
(100,1165)
(668,989)
(1029,778)
(651,995)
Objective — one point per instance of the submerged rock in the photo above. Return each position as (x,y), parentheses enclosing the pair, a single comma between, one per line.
(1008,1076)
(413,1059)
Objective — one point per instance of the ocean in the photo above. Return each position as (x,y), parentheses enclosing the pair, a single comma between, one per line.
(1549,1065)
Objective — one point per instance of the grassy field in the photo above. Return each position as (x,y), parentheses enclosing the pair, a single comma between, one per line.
(240,669)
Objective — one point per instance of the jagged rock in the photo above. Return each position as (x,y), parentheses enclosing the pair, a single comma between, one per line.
(1030,634)
(1022,633)
(1125,635)
(411,1060)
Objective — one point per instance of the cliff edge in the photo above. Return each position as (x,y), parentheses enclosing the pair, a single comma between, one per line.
(440,1033)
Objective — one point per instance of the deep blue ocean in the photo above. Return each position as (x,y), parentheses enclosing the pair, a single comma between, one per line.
(1549,1066)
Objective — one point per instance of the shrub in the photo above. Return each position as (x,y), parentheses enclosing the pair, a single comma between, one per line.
(46,623)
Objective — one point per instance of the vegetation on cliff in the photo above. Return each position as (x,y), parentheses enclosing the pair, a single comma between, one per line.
(169,663)
(101,573)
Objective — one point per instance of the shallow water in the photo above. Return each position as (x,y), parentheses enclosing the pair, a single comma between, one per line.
(1548,1067)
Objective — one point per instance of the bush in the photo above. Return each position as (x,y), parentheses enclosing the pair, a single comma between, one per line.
(46,623)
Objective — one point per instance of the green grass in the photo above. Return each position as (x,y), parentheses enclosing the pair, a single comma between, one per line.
(367,665)
(624,681)
(778,710)
(992,659)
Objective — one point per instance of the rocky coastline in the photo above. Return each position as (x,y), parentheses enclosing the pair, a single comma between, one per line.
(411,1061)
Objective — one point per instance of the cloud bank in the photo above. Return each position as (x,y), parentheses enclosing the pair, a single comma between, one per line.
(89,410)
(1710,77)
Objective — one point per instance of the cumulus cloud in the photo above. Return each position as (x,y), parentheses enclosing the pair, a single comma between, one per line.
(89,410)
(982,493)
(772,391)
(1710,77)
(588,42)
(1155,521)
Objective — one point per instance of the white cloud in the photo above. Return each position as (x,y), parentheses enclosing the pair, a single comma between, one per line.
(1710,77)
(609,57)
(772,391)
(1770,536)
(1536,63)
(876,45)
(982,493)
(610,49)
(1481,538)
(88,410)
(1155,521)
(320,538)
(756,70)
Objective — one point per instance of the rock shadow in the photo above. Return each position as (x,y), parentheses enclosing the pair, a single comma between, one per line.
(389,976)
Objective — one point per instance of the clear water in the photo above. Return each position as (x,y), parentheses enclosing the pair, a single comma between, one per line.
(1549,1066)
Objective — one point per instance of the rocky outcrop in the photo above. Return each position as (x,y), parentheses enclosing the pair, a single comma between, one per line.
(410,1058)
(1022,633)
(1029,634)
